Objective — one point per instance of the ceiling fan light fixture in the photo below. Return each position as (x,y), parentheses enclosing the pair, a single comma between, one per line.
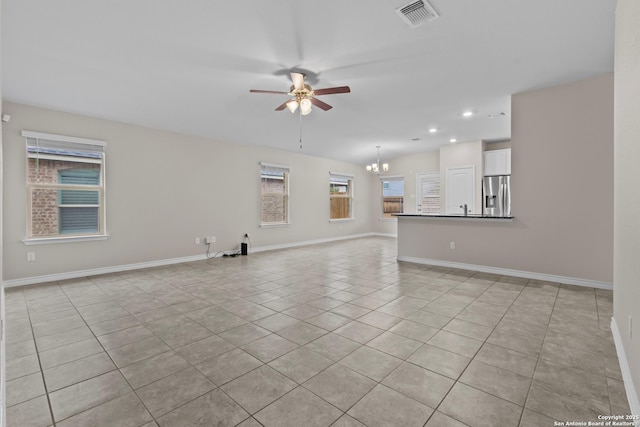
(292,105)
(303,96)
(305,106)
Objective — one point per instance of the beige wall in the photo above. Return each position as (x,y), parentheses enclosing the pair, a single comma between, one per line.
(562,192)
(459,155)
(2,311)
(407,167)
(501,145)
(156,211)
(626,295)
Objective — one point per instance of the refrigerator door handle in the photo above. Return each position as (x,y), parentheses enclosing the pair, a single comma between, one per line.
(507,197)
(500,198)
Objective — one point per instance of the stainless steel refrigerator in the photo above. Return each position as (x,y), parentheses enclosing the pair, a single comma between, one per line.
(496,195)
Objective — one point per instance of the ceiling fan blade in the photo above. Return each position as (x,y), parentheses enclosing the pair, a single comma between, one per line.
(268,91)
(283,106)
(320,104)
(330,90)
(298,81)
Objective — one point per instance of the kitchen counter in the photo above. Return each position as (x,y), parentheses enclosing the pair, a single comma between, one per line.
(476,217)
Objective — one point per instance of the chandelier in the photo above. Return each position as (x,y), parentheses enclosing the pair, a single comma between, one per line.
(377,168)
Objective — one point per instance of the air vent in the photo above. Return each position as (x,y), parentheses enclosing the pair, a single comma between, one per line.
(417,13)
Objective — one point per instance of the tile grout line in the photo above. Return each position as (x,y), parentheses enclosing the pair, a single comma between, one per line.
(442,329)
(603,361)
(119,369)
(35,343)
(297,384)
(172,349)
(555,301)
(406,360)
(457,380)
(353,272)
(108,355)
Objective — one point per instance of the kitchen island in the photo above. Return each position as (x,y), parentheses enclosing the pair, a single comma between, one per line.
(468,242)
(442,239)
(489,244)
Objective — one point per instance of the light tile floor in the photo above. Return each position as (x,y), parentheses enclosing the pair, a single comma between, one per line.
(336,334)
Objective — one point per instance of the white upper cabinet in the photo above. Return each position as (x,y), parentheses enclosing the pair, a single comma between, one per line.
(497,162)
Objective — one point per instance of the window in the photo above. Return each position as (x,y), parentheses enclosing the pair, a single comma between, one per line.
(274,194)
(79,210)
(341,196)
(392,196)
(65,185)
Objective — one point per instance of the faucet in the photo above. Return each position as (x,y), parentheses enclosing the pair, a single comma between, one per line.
(465,209)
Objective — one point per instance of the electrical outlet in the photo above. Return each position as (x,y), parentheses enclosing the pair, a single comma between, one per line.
(209,240)
(197,240)
(213,239)
(31,256)
(452,246)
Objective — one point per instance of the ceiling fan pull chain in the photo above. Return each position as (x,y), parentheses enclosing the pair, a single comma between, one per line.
(300,114)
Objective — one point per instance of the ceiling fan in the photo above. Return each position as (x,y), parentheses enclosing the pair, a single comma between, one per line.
(304,96)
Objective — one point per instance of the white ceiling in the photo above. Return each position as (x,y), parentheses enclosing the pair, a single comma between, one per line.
(187,66)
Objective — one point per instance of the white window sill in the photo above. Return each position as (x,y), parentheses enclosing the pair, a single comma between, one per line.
(69,239)
(342,220)
(275,225)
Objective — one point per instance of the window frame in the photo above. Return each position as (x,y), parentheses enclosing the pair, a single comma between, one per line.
(350,195)
(96,146)
(390,178)
(286,170)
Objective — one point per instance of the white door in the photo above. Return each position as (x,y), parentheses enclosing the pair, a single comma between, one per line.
(461,189)
(428,193)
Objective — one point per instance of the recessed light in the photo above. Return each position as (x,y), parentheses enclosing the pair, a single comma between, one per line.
(453,140)
(433,130)
(467,114)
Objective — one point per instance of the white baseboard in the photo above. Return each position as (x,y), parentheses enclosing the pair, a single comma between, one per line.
(384,234)
(632,396)
(96,271)
(316,241)
(159,263)
(3,370)
(509,272)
